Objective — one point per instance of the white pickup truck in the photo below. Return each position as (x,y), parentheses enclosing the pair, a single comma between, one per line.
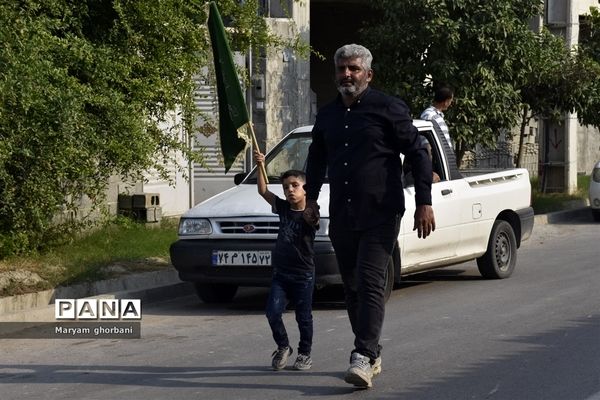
(226,241)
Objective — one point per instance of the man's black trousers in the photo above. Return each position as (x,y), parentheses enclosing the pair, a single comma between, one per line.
(363,256)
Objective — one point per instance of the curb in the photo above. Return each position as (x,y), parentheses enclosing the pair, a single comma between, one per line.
(148,286)
(581,214)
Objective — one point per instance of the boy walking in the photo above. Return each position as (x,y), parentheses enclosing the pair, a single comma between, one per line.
(293,267)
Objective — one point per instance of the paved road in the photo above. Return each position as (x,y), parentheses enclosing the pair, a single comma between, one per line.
(448,335)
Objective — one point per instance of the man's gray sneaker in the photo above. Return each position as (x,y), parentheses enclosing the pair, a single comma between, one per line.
(360,371)
(280,357)
(376,366)
(303,362)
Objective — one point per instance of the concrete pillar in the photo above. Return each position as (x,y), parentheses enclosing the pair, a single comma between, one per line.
(571,124)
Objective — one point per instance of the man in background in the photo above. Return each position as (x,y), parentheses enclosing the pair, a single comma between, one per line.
(442,100)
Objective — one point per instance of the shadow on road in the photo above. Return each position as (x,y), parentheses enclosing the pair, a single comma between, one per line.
(553,365)
(580,216)
(252,300)
(256,378)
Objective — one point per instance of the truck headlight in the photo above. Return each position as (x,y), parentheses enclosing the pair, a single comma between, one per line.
(195,226)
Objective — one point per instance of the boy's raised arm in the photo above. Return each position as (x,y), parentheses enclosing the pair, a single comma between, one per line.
(263,190)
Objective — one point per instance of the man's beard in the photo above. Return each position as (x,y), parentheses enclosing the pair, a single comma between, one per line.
(352,90)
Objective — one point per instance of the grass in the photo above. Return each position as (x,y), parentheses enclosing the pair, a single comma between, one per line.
(118,248)
(543,203)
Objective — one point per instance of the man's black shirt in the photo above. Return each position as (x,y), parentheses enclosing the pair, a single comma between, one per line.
(360,147)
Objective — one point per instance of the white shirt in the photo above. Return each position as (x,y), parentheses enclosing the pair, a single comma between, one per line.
(436,116)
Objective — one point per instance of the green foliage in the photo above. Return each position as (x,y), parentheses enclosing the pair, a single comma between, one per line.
(556,79)
(589,57)
(476,47)
(503,72)
(85,88)
(548,76)
(590,38)
(550,81)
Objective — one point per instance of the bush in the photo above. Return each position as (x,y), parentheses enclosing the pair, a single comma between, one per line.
(84,88)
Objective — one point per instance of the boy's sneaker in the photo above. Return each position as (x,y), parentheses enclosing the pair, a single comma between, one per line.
(360,371)
(303,362)
(280,357)
(376,366)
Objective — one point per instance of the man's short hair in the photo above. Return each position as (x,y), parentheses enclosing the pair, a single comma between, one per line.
(354,51)
(442,93)
(295,173)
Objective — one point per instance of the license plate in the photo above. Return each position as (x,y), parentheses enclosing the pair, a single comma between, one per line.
(248,257)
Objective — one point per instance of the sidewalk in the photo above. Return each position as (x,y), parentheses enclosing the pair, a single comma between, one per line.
(148,286)
(160,285)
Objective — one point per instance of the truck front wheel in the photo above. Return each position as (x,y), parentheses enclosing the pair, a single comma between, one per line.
(499,260)
(215,292)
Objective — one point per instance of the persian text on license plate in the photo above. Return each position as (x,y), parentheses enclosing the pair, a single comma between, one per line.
(233,257)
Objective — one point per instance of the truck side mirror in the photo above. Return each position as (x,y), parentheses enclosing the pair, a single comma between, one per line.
(238,178)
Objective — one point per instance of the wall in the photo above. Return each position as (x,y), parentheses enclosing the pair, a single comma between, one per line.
(589,149)
(175,193)
(287,80)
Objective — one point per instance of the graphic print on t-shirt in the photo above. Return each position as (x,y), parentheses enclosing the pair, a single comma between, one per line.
(288,229)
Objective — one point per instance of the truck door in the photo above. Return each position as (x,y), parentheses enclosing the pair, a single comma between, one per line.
(442,244)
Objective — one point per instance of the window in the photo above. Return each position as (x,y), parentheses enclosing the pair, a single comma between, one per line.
(277,8)
(435,156)
(289,154)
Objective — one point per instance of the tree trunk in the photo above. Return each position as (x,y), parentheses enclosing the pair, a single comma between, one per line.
(525,118)
(460,152)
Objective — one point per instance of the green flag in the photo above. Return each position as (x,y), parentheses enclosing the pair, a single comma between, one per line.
(233,115)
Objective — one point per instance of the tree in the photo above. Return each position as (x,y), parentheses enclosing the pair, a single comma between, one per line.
(559,80)
(84,86)
(590,37)
(589,58)
(504,73)
(477,47)
(549,83)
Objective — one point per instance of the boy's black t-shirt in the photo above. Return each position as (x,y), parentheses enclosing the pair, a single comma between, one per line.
(294,251)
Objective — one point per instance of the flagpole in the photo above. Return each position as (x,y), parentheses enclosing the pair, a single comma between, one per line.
(233,112)
(261,168)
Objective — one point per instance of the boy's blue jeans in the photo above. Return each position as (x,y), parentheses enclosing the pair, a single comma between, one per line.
(298,290)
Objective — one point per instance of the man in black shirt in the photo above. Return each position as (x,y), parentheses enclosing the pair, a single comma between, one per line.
(358,139)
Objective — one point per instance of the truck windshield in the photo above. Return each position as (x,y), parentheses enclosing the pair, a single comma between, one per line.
(291,153)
